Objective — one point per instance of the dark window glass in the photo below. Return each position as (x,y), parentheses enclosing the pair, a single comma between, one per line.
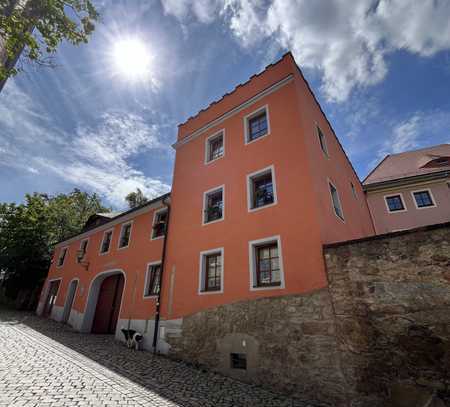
(336,202)
(215,148)
(125,236)
(267,265)
(214,206)
(238,360)
(442,161)
(153,280)
(84,246)
(423,199)
(395,203)
(62,256)
(159,228)
(322,141)
(106,242)
(213,272)
(262,190)
(257,126)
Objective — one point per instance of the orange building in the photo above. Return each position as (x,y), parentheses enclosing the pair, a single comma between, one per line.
(260,184)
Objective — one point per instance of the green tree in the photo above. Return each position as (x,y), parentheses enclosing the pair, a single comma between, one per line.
(29,231)
(36,28)
(136,198)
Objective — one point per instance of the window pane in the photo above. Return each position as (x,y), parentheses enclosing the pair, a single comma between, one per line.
(215,148)
(423,199)
(262,190)
(395,203)
(214,206)
(257,126)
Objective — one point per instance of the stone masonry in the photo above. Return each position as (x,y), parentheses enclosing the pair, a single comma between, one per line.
(391,297)
(379,335)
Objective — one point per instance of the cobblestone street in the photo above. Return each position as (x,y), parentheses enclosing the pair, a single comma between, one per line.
(44,363)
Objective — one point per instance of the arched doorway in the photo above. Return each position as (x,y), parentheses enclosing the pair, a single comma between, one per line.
(108,305)
(69,300)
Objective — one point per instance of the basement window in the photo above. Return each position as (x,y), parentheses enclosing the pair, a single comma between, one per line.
(238,361)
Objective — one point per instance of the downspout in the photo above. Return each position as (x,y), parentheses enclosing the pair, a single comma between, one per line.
(163,259)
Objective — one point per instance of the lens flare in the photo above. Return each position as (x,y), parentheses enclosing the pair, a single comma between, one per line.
(132,59)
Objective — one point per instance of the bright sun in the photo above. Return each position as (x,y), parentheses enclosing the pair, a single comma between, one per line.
(132,59)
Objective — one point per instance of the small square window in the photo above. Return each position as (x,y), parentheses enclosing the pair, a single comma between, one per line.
(322,141)
(423,199)
(211,269)
(125,233)
(215,147)
(153,280)
(159,224)
(106,242)
(336,201)
(261,189)
(62,257)
(256,125)
(213,206)
(238,361)
(395,203)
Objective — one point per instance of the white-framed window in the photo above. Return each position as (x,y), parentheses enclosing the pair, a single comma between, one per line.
(62,256)
(336,201)
(211,271)
(152,284)
(215,146)
(423,199)
(257,124)
(322,141)
(261,189)
(159,224)
(266,264)
(352,187)
(395,203)
(214,205)
(106,241)
(125,235)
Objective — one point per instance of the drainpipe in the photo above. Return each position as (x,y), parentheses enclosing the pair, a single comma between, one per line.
(163,258)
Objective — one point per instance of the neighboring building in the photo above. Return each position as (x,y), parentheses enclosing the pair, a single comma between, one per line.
(410,189)
(260,184)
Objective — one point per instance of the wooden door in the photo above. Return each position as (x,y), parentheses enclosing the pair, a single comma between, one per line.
(108,305)
(51,297)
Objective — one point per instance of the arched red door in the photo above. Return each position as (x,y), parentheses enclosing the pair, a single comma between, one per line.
(108,305)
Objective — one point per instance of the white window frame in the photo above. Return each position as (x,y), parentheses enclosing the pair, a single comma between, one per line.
(153,224)
(147,276)
(252,245)
(103,239)
(87,244)
(205,197)
(202,271)
(207,146)
(431,196)
(247,120)
(405,209)
(122,227)
(255,174)
(330,183)
(319,131)
(66,249)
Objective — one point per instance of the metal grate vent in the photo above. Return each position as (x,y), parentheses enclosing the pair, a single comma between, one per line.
(238,361)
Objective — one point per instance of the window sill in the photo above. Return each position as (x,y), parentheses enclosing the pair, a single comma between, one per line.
(158,237)
(210,292)
(247,141)
(262,207)
(214,160)
(267,287)
(151,296)
(213,221)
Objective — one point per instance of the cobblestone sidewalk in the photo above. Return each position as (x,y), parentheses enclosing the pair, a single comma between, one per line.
(44,363)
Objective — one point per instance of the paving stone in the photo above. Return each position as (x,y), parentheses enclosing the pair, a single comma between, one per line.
(44,363)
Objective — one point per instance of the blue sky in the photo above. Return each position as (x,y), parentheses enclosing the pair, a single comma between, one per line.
(381,70)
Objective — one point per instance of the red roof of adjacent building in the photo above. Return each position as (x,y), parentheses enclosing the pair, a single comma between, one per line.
(411,163)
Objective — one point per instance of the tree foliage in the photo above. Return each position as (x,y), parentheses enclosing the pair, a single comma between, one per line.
(136,198)
(29,231)
(39,26)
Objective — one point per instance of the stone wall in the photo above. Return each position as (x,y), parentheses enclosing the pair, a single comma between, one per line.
(391,297)
(377,336)
(290,344)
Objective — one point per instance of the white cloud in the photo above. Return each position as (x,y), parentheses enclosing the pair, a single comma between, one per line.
(97,157)
(347,41)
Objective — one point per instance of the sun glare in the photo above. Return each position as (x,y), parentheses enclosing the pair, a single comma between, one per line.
(132,59)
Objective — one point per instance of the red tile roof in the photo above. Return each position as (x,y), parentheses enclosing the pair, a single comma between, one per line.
(410,164)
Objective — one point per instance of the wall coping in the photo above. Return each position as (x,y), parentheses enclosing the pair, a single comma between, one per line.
(388,235)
